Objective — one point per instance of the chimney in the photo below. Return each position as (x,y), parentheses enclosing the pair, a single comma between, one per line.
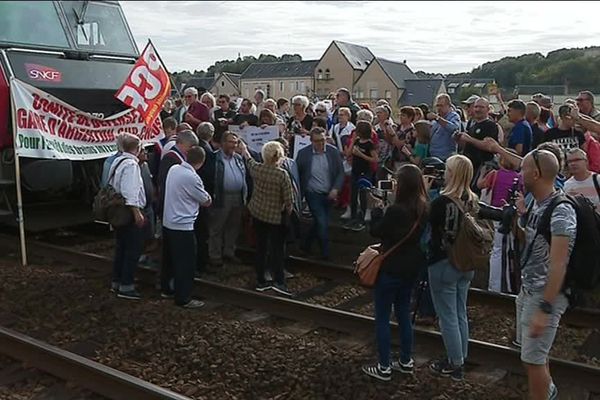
(404,62)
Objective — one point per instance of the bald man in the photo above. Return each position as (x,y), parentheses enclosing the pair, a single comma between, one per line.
(541,303)
(482,127)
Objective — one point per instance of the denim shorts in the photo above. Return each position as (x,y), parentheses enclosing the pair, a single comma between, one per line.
(535,351)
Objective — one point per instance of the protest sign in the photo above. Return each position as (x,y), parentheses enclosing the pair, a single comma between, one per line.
(147,86)
(47,127)
(254,136)
(300,142)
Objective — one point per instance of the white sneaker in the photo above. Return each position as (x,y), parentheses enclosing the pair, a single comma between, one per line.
(347,214)
(368,215)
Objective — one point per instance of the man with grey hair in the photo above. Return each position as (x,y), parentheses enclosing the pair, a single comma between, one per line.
(259,97)
(197,111)
(444,124)
(125,177)
(585,103)
(109,161)
(189,95)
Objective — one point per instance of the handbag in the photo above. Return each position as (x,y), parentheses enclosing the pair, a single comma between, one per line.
(370,260)
(109,205)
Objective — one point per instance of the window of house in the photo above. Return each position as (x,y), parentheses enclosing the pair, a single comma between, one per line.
(281,86)
(327,74)
(320,74)
(222,83)
(373,93)
(302,86)
(451,90)
(388,94)
(297,86)
(268,91)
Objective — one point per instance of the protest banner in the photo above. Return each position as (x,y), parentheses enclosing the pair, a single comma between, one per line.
(300,142)
(148,85)
(47,127)
(254,136)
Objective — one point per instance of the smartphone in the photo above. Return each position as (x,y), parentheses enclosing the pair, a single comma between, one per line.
(384,185)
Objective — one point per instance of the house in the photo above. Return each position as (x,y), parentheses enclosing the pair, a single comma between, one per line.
(226,83)
(202,84)
(461,88)
(279,79)
(382,79)
(340,66)
(418,91)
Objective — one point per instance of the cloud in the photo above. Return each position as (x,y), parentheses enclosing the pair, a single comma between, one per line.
(432,36)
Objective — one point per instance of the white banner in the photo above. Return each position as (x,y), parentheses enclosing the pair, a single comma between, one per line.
(254,136)
(300,142)
(47,127)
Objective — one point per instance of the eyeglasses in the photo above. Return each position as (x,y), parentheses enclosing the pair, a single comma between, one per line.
(297,104)
(318,140)
(580,99)
(188,95)
(575,160)
(321,111)
(536,159)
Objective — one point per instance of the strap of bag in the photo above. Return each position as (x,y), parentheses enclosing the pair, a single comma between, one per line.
(405,238)
(112,175)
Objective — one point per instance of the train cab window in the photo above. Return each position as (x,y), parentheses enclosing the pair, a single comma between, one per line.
(98,27)
(31,23)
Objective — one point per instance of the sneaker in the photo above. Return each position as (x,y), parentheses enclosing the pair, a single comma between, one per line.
(268,277)
(348,225)
(445,368)
(261,287)
(553,395)
(287,274)
(376,371)
(129,295)
(193,304)
(282,288)
(405,368)
(164,295)
(358,226)
(347,214)
(515,343)
(114,287)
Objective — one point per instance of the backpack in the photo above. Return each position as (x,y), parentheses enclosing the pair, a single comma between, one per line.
(583,270)
(472,245)
(109,205)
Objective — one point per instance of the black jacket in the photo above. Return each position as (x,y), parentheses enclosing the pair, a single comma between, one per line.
(407,261)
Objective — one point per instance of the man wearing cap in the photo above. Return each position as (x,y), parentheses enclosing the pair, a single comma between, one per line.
(585,103)
(468,106)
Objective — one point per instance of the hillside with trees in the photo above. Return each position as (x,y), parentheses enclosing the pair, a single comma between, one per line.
(577,68)
(234,66)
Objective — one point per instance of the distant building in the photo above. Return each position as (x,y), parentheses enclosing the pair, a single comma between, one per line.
(279,79)
(418,91)
(226,83)
(341,65)
(382,79)
(202,84)
(464,87)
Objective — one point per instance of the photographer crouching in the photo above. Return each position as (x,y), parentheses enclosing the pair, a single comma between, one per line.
(400,228)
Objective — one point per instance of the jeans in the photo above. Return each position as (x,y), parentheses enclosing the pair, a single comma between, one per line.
(356,195)
(449,290)
(270,245)
(201,232)
(181,247)
(394,291)
(319,206)
(128,249)
(224,226)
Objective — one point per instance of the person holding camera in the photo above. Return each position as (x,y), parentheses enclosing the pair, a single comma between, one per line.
(449,286)
(403,221)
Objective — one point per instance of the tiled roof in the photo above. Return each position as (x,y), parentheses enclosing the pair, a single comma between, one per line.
(235,78)
(200,83)
(419,91)
(280,70)
(397,71)
(358,56)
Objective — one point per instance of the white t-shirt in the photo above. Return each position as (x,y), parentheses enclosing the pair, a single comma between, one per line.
(585,188)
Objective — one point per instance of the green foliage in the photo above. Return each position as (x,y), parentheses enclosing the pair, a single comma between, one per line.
(465,93)
(234,66)
(575,67)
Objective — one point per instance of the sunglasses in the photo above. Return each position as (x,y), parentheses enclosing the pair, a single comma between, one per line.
(575,160)
(536,159)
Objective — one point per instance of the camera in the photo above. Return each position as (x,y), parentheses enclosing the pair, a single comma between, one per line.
(504,215)
(434,167)
(386,186)
(296,127)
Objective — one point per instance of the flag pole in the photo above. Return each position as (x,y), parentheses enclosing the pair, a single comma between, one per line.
(165,67)
(20,219)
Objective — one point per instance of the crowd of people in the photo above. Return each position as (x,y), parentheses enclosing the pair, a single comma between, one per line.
(201,180)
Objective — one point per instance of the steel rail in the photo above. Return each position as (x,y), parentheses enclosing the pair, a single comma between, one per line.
(86,373)
(578,317)
(564,371)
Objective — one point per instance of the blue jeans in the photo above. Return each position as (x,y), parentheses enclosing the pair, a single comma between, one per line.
(128,249)
(449,290)
(394,291)
(319,206)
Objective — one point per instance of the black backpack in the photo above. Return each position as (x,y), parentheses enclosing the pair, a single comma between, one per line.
(583,270)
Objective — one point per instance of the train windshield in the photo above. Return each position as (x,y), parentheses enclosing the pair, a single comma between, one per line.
(98,27)
(31,23)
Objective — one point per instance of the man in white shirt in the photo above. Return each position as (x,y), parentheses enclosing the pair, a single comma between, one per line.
(582,181)
(184,195)
(125,177)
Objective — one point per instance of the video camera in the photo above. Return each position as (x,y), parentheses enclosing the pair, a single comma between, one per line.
(505,215)
(434,167)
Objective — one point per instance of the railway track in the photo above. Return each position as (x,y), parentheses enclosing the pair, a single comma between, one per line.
(85,373)
(565,372)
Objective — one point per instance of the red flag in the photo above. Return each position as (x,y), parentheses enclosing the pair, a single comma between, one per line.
(148,86)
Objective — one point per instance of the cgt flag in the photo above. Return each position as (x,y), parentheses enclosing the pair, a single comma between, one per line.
(147,86)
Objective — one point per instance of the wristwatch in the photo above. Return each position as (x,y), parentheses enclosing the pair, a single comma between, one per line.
(545,307)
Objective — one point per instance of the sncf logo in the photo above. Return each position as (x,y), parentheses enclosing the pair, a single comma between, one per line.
(43,73)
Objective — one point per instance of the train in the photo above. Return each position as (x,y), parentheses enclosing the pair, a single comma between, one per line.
(80,52)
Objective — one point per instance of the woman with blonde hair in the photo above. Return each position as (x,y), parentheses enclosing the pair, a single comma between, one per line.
(449,286)
(209,101)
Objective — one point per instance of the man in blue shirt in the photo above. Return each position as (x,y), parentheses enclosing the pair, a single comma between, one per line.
(444,124)
(520,137)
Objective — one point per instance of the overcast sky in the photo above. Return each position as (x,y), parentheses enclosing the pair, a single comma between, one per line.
(444,37)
